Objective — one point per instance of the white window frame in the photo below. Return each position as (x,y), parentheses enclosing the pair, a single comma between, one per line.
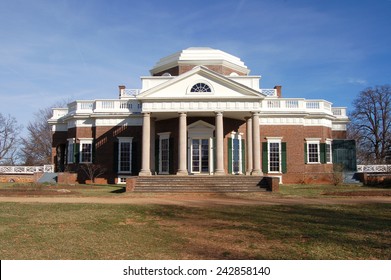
(211,92)
(85,141)
(330,153)
(237,136)
(313,141)
(164,136)
(70,150)
(121,180)
(120,141)
(274,140)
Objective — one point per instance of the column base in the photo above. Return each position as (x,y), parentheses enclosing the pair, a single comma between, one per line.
(219,173)
(145,173)
(256,173)
(182,173)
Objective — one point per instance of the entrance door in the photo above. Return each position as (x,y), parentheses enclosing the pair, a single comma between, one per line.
(200,155)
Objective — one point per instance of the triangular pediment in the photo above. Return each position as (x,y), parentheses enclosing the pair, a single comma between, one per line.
(220,87)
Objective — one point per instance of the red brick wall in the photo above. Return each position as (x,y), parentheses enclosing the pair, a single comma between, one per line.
(223,70)
(297,170)
(337,134)
(105,141)
(58,138)
(294,136)
(173,71)
(178,70)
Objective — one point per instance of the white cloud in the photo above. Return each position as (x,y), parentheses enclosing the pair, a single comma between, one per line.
(356,81)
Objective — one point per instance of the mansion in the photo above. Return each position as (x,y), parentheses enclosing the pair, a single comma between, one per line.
(200,112)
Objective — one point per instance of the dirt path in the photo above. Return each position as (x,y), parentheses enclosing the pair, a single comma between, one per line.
(196,200)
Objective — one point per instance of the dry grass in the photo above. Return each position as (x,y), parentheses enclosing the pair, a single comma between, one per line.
(92,231)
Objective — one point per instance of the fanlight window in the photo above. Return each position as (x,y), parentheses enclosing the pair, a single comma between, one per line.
(200,87)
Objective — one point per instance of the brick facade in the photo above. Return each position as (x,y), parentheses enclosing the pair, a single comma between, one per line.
(105,139)
(221,113)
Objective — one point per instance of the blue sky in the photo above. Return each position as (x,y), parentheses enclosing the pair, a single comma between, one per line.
(69,49)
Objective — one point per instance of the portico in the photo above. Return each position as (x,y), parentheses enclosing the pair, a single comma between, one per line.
(202,146)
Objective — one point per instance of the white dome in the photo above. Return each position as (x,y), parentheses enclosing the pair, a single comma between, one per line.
(200,56)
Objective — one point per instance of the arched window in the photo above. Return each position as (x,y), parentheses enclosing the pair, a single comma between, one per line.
(200,87)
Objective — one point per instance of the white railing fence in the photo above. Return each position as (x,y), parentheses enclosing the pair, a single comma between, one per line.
(26,169)
(383,168)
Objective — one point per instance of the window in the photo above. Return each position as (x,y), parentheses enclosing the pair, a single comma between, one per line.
(313,151)
(125,154)
(85,151)
(274,156)
(235,153)
(329,157)
(200,87)
(164,153)
(70,150)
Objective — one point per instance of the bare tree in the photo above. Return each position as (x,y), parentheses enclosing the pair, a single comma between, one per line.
(92,170)
(9,139)
(37,145)
(371,124)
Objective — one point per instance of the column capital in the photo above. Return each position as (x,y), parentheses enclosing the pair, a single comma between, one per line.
(219,113)
(255,113)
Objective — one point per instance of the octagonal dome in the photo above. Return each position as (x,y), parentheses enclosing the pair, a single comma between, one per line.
(185,60)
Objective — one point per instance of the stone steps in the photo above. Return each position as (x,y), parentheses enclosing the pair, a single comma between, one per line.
(215,184)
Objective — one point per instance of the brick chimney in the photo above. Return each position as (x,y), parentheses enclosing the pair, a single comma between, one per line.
(121,89)
(278,89)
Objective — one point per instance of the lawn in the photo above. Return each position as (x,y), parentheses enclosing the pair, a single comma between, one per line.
(104,231)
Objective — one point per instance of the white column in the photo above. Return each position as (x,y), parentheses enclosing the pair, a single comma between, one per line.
(152,149)
(256,146)
(182,144)
(249,145)
(219,144)
(146,145)
(241,171)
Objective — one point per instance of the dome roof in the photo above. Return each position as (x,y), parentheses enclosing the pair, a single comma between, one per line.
(196,56)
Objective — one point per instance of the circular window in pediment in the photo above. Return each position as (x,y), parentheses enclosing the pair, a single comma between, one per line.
(200,87)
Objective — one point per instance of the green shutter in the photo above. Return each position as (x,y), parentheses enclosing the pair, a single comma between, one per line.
(115,157)
(76,153)
(157,155)
(93,151)
(283,157)
(305,152)
(135,161)
(229,155)
(322,152)
(171,156)
(214,154)
(243,156)
(264,157)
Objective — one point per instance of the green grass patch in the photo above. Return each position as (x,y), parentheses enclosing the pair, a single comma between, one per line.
(92,231)
(321,190)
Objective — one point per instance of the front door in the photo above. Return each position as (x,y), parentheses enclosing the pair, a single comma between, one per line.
(200,155)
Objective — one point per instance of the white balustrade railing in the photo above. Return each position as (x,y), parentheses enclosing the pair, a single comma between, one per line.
(296,105)
(274,104)
(375,168)
(269,91)
(26,169)
(130,92)
(339,111)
